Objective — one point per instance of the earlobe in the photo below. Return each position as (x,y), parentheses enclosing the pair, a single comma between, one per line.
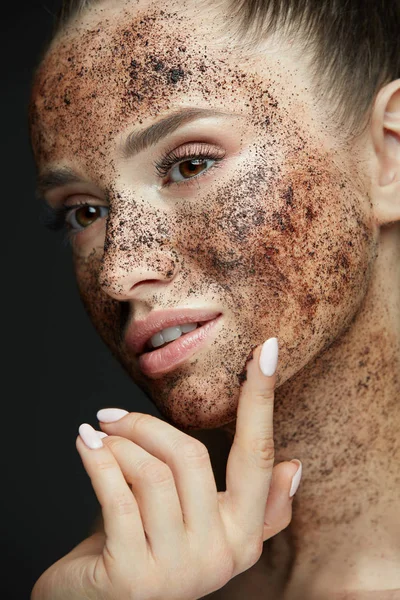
(385,130)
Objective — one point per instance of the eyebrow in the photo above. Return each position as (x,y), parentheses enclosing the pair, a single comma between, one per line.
(136,142)
(55,177)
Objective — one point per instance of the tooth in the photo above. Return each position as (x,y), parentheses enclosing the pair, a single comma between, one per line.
(171,333)
(188,327)
(157,340)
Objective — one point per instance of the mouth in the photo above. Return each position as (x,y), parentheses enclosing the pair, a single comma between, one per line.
(158,361)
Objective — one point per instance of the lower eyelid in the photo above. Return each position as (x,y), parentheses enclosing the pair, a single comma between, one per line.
(190,181)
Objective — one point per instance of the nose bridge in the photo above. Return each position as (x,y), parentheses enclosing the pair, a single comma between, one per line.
(137,248)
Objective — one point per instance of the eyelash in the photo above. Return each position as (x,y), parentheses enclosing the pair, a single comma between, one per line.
(174,157)
(55,218)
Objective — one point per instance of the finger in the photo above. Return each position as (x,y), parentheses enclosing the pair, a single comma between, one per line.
(251,459)
(188,460)
(154,488)
(122,521)
(278,512)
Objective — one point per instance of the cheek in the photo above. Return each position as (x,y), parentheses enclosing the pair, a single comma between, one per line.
(290,251)
(108,316)
(104,312)
(88,244)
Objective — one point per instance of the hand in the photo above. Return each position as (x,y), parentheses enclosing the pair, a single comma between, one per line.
(175,537)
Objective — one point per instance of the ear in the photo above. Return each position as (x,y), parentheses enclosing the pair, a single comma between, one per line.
(385,132)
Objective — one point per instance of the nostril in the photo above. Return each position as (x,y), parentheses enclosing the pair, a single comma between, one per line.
(120,277)
(145,281)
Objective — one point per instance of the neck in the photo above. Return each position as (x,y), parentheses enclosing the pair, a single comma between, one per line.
(341,417)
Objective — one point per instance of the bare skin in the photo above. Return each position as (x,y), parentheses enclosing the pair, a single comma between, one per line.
(295,235)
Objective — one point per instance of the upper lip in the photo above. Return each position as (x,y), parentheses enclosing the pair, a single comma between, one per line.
(141,331)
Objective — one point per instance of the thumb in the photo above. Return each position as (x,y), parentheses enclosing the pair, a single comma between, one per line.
(278,511)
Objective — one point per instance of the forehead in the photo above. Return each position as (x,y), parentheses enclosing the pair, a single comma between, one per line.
(127,65)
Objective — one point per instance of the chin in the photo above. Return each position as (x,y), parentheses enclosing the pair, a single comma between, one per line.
(205,400)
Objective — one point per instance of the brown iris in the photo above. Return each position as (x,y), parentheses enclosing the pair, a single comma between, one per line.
(188,168)
(86,215)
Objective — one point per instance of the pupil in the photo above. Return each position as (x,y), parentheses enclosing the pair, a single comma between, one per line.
(192,167)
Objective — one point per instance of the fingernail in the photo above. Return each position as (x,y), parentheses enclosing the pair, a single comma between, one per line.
(269,356)
(296,477)
(90,436)
(109,415)
(101,433)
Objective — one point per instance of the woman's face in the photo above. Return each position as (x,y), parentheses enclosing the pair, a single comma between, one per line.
(272,227)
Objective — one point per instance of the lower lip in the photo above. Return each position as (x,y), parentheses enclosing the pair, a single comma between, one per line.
(159,362)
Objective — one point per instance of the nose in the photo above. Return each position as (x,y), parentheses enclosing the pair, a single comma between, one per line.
(123,281)
(135,260)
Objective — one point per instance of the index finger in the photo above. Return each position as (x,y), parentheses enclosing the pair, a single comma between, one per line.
(251,459)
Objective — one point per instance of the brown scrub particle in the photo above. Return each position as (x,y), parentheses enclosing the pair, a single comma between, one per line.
(176,74)
(280,242)
(288,196)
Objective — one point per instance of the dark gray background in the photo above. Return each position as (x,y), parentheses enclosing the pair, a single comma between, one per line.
(57,371)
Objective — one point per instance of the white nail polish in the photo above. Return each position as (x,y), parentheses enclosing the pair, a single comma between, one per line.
(296,478)
(269,357)
(110,415)
(89,436)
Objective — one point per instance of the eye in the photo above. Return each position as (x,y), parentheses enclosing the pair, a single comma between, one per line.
(81,217)
(186,163)
(190,168)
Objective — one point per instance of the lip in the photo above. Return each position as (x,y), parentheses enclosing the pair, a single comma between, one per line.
(163,360)
(141,331)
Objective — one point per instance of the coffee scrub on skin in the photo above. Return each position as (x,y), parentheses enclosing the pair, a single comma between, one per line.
(194,167)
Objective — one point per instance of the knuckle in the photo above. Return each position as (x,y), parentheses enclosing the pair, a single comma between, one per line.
(249,553)
(263,452)
(194,450)
(115,443)
(264,398)
(105,465)
(254,551)
(269,528)
(139,420)
(155,472)
(123,504)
